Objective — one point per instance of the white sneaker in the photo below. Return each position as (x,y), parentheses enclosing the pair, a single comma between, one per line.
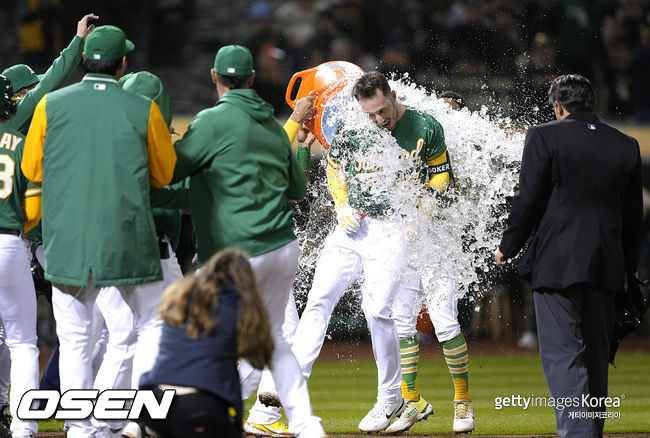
(463,416)
(380,416)
(413,412)
(313,429)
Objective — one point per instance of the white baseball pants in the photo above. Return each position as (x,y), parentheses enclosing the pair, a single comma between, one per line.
(134,327)
(441,306)
(5,367)
(18,317)
(377,249)
(252,379)
(79,327)
(274,275)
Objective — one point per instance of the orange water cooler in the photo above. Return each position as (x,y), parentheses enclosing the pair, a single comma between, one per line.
(325,82)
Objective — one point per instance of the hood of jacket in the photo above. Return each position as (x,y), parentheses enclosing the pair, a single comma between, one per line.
(248,101)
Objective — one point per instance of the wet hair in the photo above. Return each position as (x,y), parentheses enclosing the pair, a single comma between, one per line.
(103,67)
(190,303)
(367,85)
(232,82)
(573,92)
(453,96)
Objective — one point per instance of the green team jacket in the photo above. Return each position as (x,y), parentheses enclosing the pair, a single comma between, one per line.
(97,148)
(62,68)
(14,187)
(243,174)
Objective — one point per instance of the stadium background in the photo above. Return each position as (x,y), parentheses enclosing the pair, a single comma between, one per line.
(498,54)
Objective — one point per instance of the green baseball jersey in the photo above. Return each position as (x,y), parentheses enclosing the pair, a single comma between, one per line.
(14,187)
(62,68)
(97,148)
(243,174)
(359,154)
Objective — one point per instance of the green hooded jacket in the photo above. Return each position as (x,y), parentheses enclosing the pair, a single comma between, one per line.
(243,174)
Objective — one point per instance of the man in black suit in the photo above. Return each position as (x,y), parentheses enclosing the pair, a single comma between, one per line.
(580,197)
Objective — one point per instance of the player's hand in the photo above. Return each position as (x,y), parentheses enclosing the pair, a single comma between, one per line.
(499,258)
(304,109)
(83,29)
(349,219)
(305,137)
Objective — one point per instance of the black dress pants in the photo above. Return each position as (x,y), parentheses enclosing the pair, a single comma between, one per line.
(574,327)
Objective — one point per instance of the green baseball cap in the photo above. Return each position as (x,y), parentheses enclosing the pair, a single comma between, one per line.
(107,43)
(21,76)
(234,61)
(149,85)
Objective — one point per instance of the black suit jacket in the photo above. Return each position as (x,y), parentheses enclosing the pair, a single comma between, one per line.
(580,192)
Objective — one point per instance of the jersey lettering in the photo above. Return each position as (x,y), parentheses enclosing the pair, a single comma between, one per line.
(415,153)
(7,167)
(9,141)
(441,168)
(366,162)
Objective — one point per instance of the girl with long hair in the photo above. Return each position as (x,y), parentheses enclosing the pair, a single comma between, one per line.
(211,319)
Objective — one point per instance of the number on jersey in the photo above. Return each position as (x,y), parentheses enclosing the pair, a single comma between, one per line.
(7,168)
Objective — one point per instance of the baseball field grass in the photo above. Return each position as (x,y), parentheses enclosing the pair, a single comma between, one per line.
(343,390)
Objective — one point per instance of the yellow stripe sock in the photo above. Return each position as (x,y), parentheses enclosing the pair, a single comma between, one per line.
(410,352)
(457,358)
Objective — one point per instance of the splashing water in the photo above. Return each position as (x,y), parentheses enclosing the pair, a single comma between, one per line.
(456,240)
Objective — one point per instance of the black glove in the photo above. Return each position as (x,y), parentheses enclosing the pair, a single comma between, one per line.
(42,286)
(630,308)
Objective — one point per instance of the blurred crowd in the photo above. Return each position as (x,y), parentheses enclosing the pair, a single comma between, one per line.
(504,50)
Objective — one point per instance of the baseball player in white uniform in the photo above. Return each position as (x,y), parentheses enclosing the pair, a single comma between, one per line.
(442,310)
(20,210)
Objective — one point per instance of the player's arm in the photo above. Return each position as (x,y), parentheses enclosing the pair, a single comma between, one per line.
(297,188)
(304,110)
(55,77)
(337,183)
(162,157)
(32,206)
(194,150)
(32,161)
(348,218)
(294,128)
(439,171)
(175,196)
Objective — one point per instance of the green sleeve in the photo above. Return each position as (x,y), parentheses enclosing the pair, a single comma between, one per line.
(168,216)
(196,149)
(435,140)
(62,68)
(174,196)
(297,185)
